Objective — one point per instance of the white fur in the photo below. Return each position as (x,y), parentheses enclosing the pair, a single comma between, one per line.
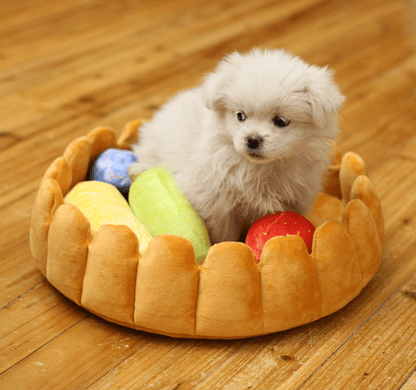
(198,137)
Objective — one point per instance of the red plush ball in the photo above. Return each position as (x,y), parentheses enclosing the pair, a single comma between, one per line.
(282,223)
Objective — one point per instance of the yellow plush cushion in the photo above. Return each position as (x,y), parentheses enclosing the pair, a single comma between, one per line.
(103,204)
(229,296)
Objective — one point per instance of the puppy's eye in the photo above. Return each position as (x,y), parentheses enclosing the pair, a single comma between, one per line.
(279,121)
(241,116)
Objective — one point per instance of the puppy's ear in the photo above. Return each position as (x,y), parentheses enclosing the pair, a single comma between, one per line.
(216,83)
(323,96)
(214,90)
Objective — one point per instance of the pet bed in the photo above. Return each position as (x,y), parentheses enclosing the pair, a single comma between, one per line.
(229,296)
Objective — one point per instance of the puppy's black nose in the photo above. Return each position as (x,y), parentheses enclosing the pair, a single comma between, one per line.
(254,143)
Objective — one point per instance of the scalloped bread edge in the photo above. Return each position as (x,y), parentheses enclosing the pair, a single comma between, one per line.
(229,296)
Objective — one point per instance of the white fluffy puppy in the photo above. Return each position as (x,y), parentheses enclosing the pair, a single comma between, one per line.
(253,139)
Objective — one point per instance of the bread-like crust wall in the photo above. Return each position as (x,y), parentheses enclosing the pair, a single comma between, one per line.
(228,296)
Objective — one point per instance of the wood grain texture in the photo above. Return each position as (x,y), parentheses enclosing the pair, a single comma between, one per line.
(67,67)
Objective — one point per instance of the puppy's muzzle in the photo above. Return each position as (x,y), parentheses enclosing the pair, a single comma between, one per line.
(254,143)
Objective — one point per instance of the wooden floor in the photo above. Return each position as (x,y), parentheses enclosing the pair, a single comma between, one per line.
(68,66)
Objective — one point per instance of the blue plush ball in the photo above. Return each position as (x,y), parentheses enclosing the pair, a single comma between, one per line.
(111,167)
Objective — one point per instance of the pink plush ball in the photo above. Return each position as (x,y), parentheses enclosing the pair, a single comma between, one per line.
(282,223)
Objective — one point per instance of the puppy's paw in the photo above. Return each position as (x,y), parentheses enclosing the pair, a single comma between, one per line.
(135,170)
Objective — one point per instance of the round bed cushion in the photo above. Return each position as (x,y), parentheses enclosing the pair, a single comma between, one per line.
(229,296)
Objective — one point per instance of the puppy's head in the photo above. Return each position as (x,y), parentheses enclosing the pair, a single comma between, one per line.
(273,104)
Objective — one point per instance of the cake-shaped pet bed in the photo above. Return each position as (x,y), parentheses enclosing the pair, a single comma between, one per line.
(228,296)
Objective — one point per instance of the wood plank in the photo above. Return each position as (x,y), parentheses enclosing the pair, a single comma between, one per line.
(69,358)
(31,321)
(393,180)
(381,353)
(118,68)
(15,221)
(410,383)
(19,273)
